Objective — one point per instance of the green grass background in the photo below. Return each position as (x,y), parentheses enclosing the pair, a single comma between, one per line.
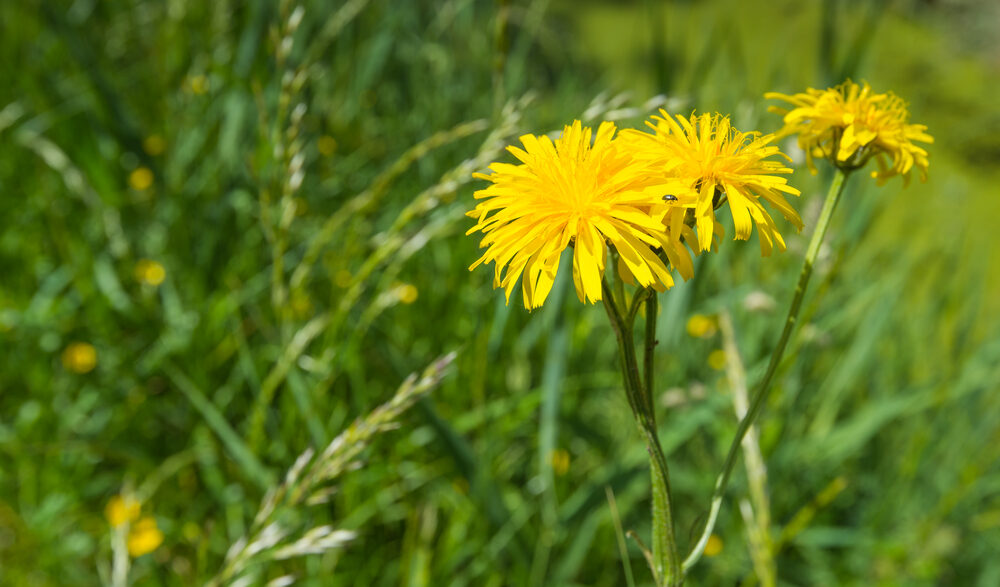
(889,390)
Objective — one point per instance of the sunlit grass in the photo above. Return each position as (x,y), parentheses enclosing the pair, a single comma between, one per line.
(139,325)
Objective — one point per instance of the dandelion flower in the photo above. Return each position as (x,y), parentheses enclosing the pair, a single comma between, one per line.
(144,537)
(717,359)
(571,192)
(140,179)
(326,145)
(80,357)
(154,145)
(848,124)
(701,326)
(719,164)
(559,459)
(714,546)
(150,272)
(407,293)
(121,510)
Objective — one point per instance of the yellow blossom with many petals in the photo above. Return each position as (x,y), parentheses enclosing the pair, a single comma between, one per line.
(574,191)
(717,164)
(849,125)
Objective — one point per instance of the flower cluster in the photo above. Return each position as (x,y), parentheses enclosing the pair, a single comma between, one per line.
(643,194)
(850,125)
(143,535)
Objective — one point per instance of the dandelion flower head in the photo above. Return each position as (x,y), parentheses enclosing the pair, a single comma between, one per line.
(144,537)
(580,192)
(121,510)
(80,357)
(849,124)
(718,164)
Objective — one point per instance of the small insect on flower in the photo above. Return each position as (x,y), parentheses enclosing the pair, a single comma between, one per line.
(581,193)
(850,125)
(718,164)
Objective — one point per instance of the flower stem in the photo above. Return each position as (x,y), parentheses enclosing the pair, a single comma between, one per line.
(760,394)
(666,560)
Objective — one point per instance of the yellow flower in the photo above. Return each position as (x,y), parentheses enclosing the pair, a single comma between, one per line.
(121,510)
(198,84)
(154,145)
(343,278)
(848,124)
(326,145)
(717,359)
(717,163)
(570,191)
(141,178)
(407,293)
(559,459)
(144,537)
(150,272)
(80,357)
(701,326)
(301,303)
(713,546)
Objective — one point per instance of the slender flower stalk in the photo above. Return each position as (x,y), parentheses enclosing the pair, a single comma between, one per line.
(760,394)
(848,125)
(665,559)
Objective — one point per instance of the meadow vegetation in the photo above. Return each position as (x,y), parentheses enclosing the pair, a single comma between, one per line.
(233,230)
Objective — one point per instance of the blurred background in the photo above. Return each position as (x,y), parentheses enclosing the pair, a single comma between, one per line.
(231,228)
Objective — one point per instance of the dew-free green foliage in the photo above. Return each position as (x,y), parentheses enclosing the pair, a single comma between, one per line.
(316,157)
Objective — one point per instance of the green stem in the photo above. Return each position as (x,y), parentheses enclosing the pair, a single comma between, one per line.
(760,394)
(666,560)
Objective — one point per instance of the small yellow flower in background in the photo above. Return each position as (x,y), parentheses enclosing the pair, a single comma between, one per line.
(717,164)
(717,359)
(144,537)
(713,546)
(79,357)
(198,84)
(701,326)
(141,178)
(122,513)
(559,459)
(191,531)
(407,293)
(848,125)
(572,190)
(121,510)
(302,305)
(150,272)
(326,145)
(343,278)
(154,145)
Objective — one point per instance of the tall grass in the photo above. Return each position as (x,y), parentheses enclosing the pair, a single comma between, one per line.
(316,160)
